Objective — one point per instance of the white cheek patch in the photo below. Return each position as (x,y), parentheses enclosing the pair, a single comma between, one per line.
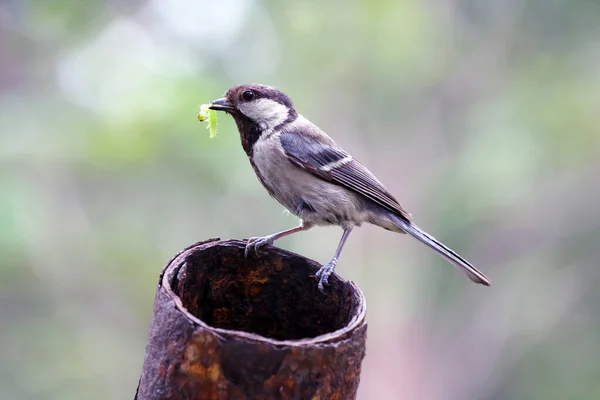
(265,111)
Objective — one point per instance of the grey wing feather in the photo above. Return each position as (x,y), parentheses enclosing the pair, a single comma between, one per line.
(313,156)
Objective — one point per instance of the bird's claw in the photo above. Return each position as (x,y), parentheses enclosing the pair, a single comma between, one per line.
(323,274)
(255,243)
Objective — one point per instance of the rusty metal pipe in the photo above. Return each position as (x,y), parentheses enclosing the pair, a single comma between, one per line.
(229,327)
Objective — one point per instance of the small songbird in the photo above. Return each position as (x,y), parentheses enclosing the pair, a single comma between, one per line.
(314,178)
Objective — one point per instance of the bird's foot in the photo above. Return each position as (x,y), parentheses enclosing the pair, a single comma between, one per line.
(324,272)
(255,243)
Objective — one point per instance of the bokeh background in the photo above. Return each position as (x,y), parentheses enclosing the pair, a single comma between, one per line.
(480,116)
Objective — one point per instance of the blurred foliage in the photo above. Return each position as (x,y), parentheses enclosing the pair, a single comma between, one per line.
(479,116)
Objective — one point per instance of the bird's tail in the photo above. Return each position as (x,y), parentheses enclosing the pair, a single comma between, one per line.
(473,273)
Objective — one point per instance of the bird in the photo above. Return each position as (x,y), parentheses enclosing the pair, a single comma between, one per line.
(314,178)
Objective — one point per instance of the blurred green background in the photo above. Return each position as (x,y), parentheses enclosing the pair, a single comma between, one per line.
(480,116)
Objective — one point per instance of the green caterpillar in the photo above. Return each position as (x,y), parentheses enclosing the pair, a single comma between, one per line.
(206,114)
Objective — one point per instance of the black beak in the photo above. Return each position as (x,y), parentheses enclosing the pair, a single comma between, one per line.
(221,105)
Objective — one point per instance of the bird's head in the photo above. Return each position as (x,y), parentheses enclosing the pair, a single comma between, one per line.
(262,105)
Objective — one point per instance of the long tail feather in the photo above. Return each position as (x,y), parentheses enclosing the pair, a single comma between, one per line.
(473,273)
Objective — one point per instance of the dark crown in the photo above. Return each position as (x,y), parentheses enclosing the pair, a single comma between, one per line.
(260,92)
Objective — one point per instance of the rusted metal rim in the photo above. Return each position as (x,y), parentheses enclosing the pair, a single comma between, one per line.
(175,265)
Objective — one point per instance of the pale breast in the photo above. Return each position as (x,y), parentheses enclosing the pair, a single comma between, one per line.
(303,194)
(278,175)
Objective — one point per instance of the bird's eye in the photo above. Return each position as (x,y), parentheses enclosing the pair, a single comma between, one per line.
(248,95)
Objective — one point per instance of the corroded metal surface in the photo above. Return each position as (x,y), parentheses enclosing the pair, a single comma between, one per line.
(229,327)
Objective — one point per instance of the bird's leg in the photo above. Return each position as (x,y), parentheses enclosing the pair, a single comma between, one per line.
(258,242)
(327,269)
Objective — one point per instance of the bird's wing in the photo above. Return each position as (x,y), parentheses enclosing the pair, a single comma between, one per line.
(335,165)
